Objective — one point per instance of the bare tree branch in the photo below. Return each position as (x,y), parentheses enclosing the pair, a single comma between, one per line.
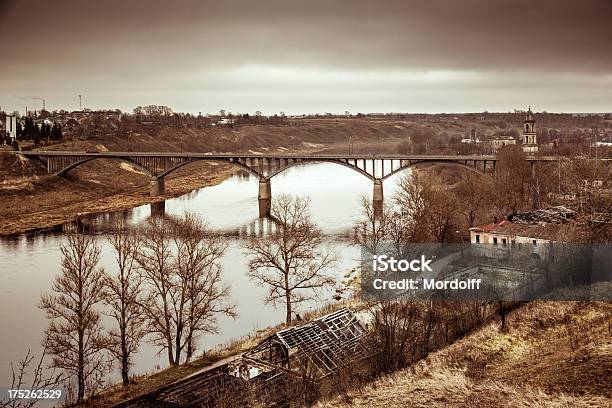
(289,261)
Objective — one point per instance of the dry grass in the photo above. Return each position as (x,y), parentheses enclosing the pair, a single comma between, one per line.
(554,354)
(451,387)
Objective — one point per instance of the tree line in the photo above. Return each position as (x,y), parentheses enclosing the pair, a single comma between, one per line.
(166,286)
(32,131)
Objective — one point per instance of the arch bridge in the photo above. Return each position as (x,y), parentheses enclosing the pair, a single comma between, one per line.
(265,166)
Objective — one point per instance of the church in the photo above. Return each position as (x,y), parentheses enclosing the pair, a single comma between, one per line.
(530,142)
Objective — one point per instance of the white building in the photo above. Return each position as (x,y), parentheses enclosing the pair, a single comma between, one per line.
(10,126)
(536,228)
(499,142)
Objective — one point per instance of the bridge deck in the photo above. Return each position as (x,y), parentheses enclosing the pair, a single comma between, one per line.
(288,156)
(376,167)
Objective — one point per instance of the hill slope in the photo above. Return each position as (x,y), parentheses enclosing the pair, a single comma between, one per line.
(553,354)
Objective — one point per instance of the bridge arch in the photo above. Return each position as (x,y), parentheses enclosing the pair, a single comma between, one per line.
(122,159)
(422,162)
(321,160)
(214,159)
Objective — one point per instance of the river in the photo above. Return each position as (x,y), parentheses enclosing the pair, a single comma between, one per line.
(29,262)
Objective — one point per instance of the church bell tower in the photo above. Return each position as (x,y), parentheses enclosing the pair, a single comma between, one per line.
(530,143)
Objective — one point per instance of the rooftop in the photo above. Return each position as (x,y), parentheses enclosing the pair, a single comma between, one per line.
(557,215)
(549,223)
(324,344)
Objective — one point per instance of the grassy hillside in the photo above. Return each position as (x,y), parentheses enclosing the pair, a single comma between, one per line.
(318,134)
(553,354)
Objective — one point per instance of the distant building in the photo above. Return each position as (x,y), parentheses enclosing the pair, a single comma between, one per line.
(498,142)
(530,142)
(10,126)
(472,138)
(225,121)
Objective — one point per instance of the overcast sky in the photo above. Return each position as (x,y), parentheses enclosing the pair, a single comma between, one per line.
(308,56)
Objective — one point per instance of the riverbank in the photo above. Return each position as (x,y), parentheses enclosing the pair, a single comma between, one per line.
(40,202)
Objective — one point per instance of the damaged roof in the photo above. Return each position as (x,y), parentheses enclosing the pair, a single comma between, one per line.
(325,344)
(556,215)
(549,223)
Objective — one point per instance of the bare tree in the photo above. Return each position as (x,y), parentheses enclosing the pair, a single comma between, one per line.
(512,180)
(427,209)
(155,263)
(123,296)
(289,262)
(439,212)
(180,264)
(472,196)
(74,337)
(389,229)
(371,230)
(199,295)
(412,206)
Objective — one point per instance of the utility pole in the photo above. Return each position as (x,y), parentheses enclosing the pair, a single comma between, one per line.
(80,104)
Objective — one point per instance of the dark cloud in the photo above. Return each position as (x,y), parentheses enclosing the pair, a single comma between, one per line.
(164,46)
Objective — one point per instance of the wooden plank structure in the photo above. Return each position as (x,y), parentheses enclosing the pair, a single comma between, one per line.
(268,373)
(320,347)
(208,389)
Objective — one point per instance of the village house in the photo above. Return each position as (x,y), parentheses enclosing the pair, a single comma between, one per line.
(536,228)
(499,142)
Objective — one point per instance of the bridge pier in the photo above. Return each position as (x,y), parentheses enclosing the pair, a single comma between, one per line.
(158,208)
(377,198)
(264,197)
(158,186)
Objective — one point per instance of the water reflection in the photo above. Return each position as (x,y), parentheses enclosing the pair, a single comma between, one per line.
(29,262)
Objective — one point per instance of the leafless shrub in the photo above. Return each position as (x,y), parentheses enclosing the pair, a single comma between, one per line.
(403,332)
(394,335)
(41,379)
